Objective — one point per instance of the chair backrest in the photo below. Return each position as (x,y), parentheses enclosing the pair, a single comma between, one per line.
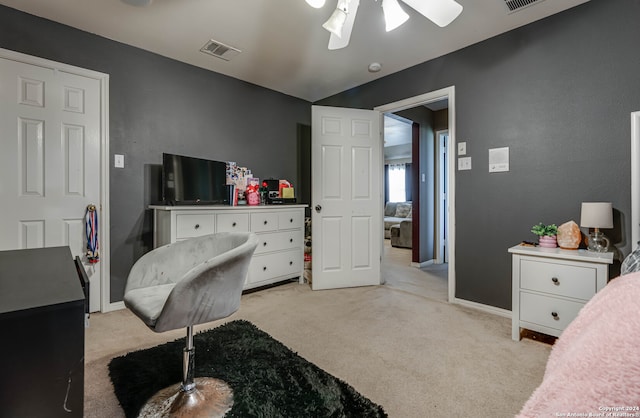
(209,273)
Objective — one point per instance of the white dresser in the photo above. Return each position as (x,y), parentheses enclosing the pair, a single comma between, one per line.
(551,285)
(280,229)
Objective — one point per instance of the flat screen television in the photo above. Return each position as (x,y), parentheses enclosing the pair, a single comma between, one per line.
(193,181)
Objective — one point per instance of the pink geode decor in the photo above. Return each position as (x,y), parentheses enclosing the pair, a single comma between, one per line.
(547,241)
(569,236)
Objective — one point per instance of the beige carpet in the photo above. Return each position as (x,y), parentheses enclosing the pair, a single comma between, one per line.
(400,344)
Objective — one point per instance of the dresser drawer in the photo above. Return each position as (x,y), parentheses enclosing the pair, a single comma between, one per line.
(276,241)
(290,220)
(269,266)
(558,279)
(540,309)
(194,225)
(261,222)
(232,222)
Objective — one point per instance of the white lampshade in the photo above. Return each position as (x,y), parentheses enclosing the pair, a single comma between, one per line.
(596,215)
(394,16)
(336,22)
(316,4)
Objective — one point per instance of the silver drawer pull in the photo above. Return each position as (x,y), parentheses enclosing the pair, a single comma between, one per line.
(233,224)
(291,220)
(264,244)
(196,226)
(265,222)
(290,239)
(555,281)
(555,316)
(290,263)
(264,268)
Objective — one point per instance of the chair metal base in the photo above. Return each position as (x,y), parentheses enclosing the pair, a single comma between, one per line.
(210,398)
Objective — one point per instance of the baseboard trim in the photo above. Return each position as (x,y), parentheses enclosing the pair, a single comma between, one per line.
(423,264)
(482,307)
(115,306)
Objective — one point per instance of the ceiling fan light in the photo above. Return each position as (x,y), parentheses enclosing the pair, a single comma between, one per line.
(440,12)
(316,4)
(394,16)
(351,9)
(336,22)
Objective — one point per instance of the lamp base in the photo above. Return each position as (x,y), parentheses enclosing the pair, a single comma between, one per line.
(210,398)
(598,242)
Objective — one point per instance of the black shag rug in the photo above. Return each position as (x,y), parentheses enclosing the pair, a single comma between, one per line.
(267,378)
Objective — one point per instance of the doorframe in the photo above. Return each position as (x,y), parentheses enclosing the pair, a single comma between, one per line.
(104,222)
(433,96)
(441,230)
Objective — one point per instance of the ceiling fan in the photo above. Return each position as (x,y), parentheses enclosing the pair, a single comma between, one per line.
(340,24)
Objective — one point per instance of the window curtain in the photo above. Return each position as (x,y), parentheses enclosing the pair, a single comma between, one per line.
(397,188)
(386,183)
(408,183)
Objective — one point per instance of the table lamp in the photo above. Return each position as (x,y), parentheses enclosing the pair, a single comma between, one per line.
(597,215)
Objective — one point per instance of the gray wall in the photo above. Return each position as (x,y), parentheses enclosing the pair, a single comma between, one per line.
(559,93)
(160,105)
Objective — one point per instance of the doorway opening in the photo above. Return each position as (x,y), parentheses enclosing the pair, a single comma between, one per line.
(446,216)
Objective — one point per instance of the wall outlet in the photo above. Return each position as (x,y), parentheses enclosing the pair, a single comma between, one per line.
(464,163)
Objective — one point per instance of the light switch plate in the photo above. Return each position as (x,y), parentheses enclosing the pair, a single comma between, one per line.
(462,148)
(118,161)
(464,163)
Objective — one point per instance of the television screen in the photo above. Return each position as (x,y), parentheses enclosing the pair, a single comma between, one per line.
(189,180)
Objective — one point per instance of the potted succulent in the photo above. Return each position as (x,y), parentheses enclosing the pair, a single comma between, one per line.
(546,234)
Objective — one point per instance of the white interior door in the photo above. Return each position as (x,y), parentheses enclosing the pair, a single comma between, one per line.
(346,167)
(49,159)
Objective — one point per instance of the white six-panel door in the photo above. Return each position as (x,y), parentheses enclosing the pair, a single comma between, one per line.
(346,199)
(49,159)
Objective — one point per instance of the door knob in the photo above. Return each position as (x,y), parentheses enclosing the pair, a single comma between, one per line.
(318,208)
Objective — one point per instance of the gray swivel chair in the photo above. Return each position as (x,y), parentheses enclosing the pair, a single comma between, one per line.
(183,284)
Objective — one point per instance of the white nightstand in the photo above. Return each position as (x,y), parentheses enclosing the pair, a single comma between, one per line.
(551,285)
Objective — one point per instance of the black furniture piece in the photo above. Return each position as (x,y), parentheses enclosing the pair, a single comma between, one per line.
(42,320)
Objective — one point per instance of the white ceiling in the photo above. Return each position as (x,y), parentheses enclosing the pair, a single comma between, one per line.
(397,131)
(283,45)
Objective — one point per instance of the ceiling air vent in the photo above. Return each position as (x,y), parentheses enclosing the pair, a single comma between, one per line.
(220,50)
(515,5)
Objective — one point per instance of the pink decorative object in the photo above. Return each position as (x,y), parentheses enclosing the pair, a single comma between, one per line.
(252,192)
(253,198)
(546,241)
(569,236)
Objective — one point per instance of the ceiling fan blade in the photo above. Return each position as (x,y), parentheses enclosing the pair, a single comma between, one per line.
(440,12)
(336,42)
